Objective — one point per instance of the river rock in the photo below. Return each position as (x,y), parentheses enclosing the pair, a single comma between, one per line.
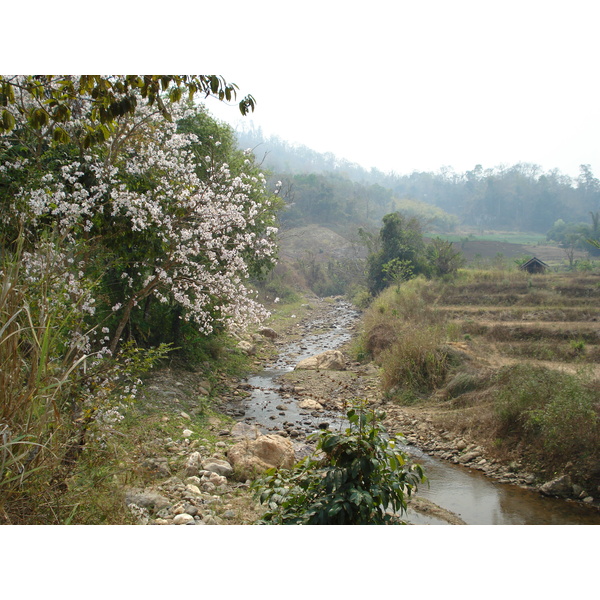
(468,457)
(251,457)
(245,431)
(310,405)
(268,333)
(247,348)
(193,489)
(561,487)
(192,464)
(146,499)
(215,465)
(182,519)
(332,360)
(461,445)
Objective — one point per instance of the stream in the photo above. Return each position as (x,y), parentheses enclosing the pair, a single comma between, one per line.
(475,498)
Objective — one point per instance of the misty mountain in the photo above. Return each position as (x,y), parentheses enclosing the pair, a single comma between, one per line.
(331,191)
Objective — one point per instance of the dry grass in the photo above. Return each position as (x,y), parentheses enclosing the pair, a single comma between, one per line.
(517,385)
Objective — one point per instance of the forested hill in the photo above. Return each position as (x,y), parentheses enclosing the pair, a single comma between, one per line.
(335,192)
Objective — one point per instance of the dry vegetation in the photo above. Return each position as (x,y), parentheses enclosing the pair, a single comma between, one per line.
(508,358)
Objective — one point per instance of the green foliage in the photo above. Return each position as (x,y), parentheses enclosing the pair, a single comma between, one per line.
(443,258)
(359,477)
(435,217)
(112,97)
(401,241)
(552,408)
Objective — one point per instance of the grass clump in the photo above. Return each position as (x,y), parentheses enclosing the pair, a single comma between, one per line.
(417,361)
(556,413)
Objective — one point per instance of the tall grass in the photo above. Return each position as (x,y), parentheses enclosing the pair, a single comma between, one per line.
(406,334)
(57,393)
(550,409)
(34,380)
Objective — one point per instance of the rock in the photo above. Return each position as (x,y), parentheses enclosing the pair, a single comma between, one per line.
(329,360)
(310,405)
(182,519)
(461,445)
(247,348)
(561,487)
(192,464)
(268,333)
(193,489)
(251,457)
(468,457)
(187,433)
(210,520)
(245,431)
(221,467)
(146,499)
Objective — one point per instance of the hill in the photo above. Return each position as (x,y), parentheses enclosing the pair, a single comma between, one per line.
(321,242)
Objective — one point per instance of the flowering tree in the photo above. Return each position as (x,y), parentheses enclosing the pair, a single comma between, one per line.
(99,230)
(157,209)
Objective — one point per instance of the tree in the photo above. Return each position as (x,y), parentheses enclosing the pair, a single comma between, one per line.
(443,258)
(401,241)
(356,477)
(50,101)
(152,212)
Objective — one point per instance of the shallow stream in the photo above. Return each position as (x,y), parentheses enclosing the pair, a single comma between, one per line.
(475,498)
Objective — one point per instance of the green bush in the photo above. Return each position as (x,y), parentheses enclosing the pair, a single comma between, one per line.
(358,477)
(551,409)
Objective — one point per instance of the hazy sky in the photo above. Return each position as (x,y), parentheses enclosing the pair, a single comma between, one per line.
(414,85)
(398,85)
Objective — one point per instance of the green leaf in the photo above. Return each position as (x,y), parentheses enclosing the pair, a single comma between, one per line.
(8,121)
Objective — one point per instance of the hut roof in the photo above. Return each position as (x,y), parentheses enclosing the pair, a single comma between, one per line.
(534,263)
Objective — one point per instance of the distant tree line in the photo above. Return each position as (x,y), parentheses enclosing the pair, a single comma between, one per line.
(331,191)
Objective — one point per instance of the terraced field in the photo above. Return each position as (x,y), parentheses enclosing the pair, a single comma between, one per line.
(507,359)
(550,319)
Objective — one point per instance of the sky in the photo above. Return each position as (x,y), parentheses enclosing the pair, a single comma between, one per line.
(396,85)
(404,86)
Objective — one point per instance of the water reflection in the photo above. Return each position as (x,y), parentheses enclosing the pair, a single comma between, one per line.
(479,500)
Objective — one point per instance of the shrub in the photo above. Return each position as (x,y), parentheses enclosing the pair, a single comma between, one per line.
(360,477)
(550,409)
(416,361)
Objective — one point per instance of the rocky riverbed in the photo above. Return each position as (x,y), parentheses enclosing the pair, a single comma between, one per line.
(200,482)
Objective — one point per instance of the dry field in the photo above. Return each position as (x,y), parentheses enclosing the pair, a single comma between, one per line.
(509,359)
(551,320)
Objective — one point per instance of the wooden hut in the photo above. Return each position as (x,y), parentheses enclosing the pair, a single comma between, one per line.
(534,265)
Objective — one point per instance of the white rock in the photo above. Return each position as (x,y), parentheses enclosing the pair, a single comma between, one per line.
(182,519)
(247,348)
(330,359)
(310,405)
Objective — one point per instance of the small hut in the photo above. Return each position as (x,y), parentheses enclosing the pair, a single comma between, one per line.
(534,266)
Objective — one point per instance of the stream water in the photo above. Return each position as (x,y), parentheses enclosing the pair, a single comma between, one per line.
(475,498)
